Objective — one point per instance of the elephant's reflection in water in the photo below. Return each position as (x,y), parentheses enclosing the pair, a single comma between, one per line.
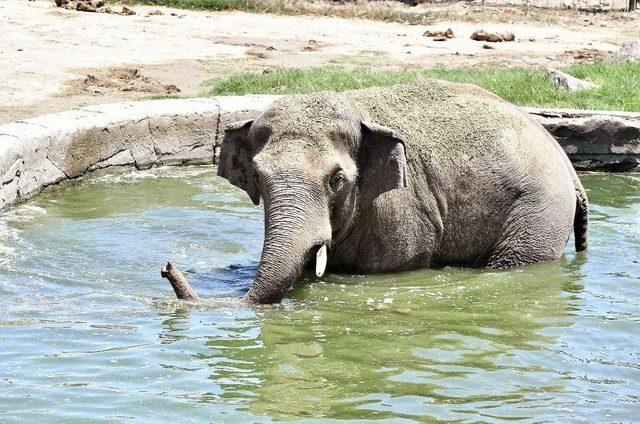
(429,342)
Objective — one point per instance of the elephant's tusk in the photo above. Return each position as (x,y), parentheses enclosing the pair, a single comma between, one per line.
(321,260)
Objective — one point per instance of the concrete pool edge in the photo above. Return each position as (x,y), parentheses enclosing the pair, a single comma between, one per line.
(594,140)
(39,152)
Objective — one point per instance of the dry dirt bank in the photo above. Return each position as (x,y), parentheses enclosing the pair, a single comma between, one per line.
(53,59)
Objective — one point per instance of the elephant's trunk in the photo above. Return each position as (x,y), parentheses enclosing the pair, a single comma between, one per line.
(296,226)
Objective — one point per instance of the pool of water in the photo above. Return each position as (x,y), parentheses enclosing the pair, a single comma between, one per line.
(89,332)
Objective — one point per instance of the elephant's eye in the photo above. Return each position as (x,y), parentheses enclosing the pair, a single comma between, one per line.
(336,180)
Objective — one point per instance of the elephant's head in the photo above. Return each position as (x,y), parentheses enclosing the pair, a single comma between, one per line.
(315,163)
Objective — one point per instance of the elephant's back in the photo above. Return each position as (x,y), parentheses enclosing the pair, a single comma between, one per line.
(442,119)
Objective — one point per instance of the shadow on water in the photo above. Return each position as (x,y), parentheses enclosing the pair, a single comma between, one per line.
(430,343)
(232,281)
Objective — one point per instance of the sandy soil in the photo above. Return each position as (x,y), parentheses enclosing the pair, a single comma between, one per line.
(53,59)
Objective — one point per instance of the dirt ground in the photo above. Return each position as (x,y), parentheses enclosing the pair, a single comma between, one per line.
(53,59)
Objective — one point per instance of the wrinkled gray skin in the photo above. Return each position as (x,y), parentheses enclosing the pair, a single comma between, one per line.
(411,176)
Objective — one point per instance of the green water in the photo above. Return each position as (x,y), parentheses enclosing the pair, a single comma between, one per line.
(89,331)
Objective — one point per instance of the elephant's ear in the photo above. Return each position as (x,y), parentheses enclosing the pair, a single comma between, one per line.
(382,164)
(235,160)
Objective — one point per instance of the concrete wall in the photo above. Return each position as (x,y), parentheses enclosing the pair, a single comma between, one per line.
(36,153)
(595,140)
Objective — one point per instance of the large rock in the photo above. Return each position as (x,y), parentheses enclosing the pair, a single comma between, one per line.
(629,51)
(568,82)
(492,37)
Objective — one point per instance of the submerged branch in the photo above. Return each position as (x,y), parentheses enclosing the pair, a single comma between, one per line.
(179,282)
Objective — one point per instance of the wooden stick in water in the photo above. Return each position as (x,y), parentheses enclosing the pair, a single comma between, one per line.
(179,282)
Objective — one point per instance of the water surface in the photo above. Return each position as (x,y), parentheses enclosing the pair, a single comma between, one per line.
(91,333)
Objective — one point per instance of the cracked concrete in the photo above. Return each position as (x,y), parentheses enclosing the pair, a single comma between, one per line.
(43,151)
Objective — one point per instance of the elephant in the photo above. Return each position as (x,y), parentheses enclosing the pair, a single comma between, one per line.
(388,179)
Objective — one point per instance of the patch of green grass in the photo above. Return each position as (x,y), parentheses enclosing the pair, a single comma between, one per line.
(215,5)
(618,83)
(299,7)
(160,97)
